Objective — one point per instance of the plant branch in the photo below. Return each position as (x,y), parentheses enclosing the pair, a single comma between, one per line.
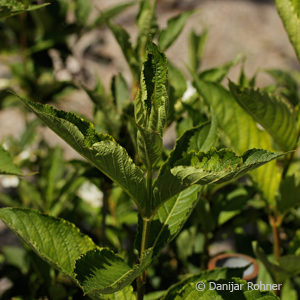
(276,239)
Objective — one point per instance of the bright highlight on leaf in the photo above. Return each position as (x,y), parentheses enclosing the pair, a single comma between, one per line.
(6,164)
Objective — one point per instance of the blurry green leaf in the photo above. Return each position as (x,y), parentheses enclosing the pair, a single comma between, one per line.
(289,194)
(218,74)
(272,113)
(175,25)
(288,292)
(206,138)
(120,92)
(146,22)
(101,271)
(10,8)
(111,13)
(6,164)
(288,85)
(30,195)
(123,40)
(17,257)
(240,132)
(54,169)
(196,48)
(99,149)
(57,241)
(289,11)
(82,11)
(284,268)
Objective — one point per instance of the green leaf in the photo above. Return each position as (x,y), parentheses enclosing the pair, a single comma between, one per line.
(196,48)
(285,267)
(217,274)
(165,180)
(99,149)
(54,170)
(101,271)
(119,91)
(151,106)
(150,146)
(146,22)
(6,164)
(82,11)
(289,11)
(57,241)
(10,8)
(123,40)
(124,294)
(240,132)
(289,194)
(218,74)
(170,218)
(174,27)
(288,292)
(273,113)
(218,166)
(288,85)
(111,13)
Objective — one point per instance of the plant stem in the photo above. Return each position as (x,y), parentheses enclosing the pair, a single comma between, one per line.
(145,233)
(276,238)
(142,278)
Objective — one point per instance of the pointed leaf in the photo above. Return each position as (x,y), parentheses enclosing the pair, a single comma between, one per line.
(151,104)
(289,194)
(273,113)
(173,29)
(196,48)
(218,166)
(111,13)
(57,241)
(289,11)
(240,132)
(146,22)
(101,271)
(123,39)
(167,185)
(171,216)
(99,149)
(288,85)
(218,74)
(6,164)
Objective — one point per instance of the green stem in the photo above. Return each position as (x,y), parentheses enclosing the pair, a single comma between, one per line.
(142,278)
(145,233)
